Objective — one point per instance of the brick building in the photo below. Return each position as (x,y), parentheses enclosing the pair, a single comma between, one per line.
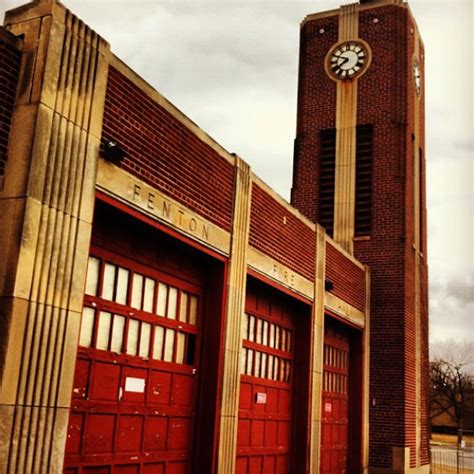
(163,310)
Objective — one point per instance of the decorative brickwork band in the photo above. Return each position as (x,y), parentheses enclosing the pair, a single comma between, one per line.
(236,285)
(317,352)
(50,183)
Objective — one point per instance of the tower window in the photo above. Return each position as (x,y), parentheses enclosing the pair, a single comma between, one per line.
(327,176)
(363,204)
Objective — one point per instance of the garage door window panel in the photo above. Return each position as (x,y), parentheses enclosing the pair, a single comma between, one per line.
(160,322)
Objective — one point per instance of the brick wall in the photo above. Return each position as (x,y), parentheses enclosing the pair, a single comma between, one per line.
(280,234)
(166,154)
(386,100)
(9,70)
(316,106)
(348,279)
(382,101)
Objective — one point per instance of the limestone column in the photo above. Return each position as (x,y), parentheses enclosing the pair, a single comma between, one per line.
(236,288)
(317,352)
(46,207)
(366,374)
(346,121)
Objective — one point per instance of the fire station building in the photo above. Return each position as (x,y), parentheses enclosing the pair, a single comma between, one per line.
(164,311)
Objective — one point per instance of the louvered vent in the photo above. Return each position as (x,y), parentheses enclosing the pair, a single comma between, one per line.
(327,175)
(363,207)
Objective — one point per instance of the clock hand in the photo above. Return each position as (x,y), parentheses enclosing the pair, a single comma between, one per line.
(344,60)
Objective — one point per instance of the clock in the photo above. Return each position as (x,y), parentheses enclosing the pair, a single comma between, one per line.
(417,76)
(348,59)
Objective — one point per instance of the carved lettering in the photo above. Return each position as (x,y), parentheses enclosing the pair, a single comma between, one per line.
(284,275)
(181,214)
(162,208)
(136,192)
(150,202)
(166,210)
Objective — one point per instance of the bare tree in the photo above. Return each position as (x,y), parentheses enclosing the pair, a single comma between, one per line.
(452,382)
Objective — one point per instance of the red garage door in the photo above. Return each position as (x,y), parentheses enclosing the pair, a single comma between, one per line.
(266,389)
(335,406)
(136,374)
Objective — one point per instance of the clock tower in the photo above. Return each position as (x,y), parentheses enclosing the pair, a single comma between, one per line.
(359,170)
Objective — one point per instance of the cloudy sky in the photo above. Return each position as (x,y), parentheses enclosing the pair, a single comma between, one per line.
(231,66)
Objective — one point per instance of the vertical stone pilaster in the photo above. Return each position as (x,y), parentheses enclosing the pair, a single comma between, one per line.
(317,351)
(417,250)
(346,121)
(48,199)
(236,289)
(366,375)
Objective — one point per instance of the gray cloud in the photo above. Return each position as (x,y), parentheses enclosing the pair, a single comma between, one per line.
(462,291)
(232,67)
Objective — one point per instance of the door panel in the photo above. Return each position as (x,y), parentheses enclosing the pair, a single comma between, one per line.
(134,394)
(266,388)
(335,403)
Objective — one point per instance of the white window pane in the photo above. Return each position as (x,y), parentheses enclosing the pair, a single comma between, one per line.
(270,366)
(144,350)
(257,364)
(282,370)
(193,309)
(103,331)
(87,327)
(169,345)
(122,286)
(92,276)
(149,295)
(265,333)
(180,348)
(245,326)
(276,365)
(183,307)
(288,371)
(158,343)
(137,291)
(172,302)
(162,297)
(252,328)
(272,336)
(277,337)
(249,362)
(117,333)
(109,282)
(283,340)
(243,360)
(259,331)
(132,340)
(263,370)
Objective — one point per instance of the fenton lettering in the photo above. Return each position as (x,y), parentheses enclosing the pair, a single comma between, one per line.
(170,212)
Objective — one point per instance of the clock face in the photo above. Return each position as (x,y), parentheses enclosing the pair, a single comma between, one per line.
(347,59)
(417,76)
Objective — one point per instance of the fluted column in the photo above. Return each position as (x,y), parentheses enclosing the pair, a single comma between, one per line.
(317,351)
(48,200)
(346,121)
(236,286)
